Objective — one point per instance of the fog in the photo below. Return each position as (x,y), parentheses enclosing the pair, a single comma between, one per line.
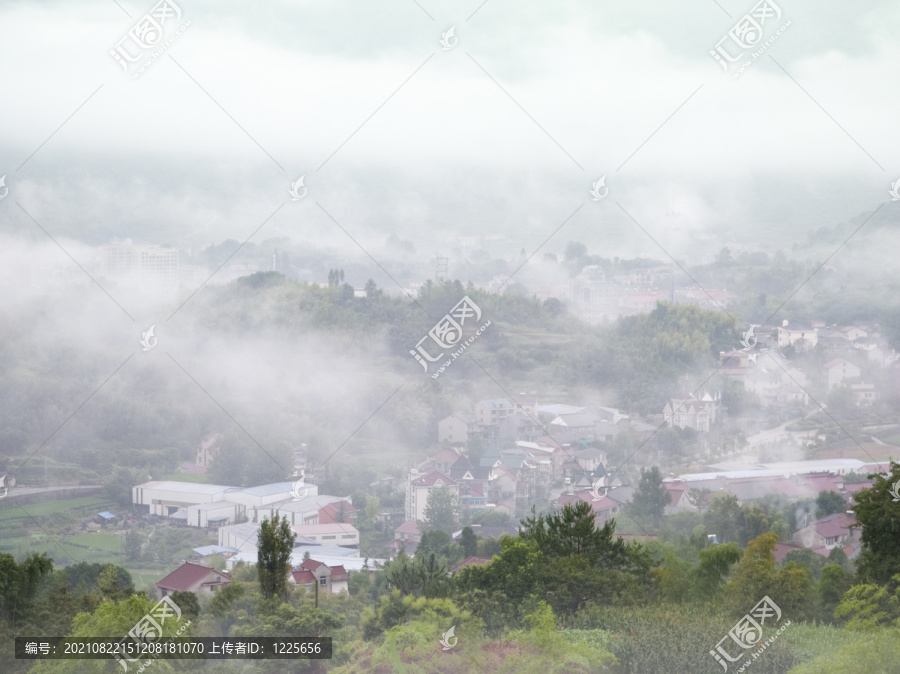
(446,150)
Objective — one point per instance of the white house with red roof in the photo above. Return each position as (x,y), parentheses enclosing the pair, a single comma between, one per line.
(604,507)
(838,371)
(679,498)
(801,337)
(408,532)
(686,411)
(193,578)
(834,531)
(419,485)
(339,512)
(330,579)
(208,449)
(456,428)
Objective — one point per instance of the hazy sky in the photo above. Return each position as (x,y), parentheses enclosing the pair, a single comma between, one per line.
(504,132)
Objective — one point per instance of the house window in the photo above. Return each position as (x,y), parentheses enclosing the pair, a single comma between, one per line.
(348,536)
(328,538)
(323,580)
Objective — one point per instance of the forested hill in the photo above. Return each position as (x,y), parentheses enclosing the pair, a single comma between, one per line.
(530,342)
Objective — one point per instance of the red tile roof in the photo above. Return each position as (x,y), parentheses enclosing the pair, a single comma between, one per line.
(339,573)
(781,549)
(331,513)
(303,577)
(445,455)
(310,564)
(187,575)
(834,525)
(408,527)
(429,479)
(598,505)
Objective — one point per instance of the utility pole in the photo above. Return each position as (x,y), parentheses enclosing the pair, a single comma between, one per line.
(317,590)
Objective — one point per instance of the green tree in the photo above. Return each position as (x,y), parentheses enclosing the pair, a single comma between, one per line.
(469,542)
(276,542)
(133,540)
(439,543)
(650,498)
(441,510)
(724,518)
(878,514)
(273,617)
(544,648)
(839,557)
(755,575)
(223,600)
(869,606)
(715,564)
(111,585)
(188,603)
(811,560)
(698,497)
(114,619)
(19,584)
(828,503)
(573,531)
(833,584)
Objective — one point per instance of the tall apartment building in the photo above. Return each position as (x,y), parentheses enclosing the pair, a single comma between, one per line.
(142,263)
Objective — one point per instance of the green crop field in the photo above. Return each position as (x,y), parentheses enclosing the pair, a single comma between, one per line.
(86,505)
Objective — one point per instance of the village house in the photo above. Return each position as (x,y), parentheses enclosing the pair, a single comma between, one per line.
(492,412)
(407,536)
(192,578)
(330,579)
(838,370)
(456,429)
(208,449)
(441,460)
(605,508)
(679,501)
(802,338)
(419,485)
(685,411)
(837,530)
